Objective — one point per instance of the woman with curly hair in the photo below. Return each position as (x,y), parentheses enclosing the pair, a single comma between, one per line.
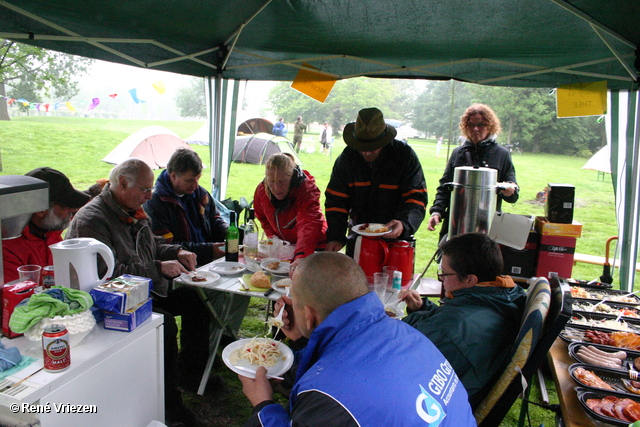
(480,126)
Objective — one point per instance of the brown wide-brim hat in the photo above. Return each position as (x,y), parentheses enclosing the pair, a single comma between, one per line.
(369,132)
(61,191)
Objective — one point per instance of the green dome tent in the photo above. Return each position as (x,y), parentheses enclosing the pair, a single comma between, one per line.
(257,148)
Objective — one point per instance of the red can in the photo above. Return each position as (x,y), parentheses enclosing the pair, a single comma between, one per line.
(56,348)
(48,277)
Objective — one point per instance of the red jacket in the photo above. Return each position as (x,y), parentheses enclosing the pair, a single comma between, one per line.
(27,249)
(299,221)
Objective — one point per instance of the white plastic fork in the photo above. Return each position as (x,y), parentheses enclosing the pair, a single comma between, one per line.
(633,374)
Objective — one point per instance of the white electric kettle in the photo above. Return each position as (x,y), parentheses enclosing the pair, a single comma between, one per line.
(75,263)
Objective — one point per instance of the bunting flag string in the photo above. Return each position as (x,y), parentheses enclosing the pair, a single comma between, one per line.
(158,86)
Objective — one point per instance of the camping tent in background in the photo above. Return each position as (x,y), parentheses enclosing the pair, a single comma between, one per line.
(257,148)
(201,136)
(253,126)
(153,144)
(601,161)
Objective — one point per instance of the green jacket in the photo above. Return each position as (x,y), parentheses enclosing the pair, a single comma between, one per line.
(475,331)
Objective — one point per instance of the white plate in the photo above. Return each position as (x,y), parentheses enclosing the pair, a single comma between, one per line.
(211,278)
(283,268)
(280,368)
(282,290)
(228,267)
(361,227)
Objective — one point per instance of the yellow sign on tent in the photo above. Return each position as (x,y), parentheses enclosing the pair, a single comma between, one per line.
(582,99)
(316,85)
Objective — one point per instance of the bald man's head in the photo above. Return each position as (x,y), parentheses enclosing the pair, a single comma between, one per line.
(327,280)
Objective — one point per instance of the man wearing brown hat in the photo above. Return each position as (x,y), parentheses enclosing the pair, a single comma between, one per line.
(376,179)
(45,228)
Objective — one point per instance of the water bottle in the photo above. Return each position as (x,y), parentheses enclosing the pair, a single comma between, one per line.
(250,242)
(233,236)
(397,280)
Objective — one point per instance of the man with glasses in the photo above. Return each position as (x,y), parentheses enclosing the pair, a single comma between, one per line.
(480,126)
(44,228)
(478,321)
(116,218)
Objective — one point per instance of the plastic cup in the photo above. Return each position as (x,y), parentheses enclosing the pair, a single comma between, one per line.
(380,281)
(389,269)
(30,272)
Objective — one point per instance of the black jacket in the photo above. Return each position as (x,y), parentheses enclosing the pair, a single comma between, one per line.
(391,187)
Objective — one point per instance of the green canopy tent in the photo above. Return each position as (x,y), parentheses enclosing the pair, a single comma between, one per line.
(523,43)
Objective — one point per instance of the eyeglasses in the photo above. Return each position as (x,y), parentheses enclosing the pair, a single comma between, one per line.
(145,190)
(441,275)
(477,125)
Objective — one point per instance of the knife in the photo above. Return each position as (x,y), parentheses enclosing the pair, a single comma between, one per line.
(242,368)
(242,284)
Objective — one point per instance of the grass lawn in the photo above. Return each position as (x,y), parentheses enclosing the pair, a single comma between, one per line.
(76,145)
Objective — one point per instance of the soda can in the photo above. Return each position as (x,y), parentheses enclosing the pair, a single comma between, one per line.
(48,277)
(55,348)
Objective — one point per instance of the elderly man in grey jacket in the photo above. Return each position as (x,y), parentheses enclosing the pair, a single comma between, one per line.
(116,218)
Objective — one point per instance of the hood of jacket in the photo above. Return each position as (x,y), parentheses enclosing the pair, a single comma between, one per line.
(507,301)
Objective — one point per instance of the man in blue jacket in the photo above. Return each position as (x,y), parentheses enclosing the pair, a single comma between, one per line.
(360,367)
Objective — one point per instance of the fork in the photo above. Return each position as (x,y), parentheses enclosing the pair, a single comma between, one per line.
(633,374)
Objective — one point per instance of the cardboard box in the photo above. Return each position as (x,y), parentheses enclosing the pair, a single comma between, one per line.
(129,320)
(121,294)
(12,295)
(548,228)
(521,262)
(555,256)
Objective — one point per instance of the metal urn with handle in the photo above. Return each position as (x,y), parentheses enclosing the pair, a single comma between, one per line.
(473,200)
(75,263)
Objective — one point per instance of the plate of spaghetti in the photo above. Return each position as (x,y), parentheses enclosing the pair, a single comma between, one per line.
(250,353)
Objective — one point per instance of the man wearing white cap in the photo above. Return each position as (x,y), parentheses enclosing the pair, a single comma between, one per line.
(376,179)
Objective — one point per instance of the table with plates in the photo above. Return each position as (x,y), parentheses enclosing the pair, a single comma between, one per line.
(232,288)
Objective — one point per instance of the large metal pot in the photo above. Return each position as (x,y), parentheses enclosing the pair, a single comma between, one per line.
(473,200)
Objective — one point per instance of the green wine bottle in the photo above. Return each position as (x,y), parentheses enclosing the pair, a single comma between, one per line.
(233,239)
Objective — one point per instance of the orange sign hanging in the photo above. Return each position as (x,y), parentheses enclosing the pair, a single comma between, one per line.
(315,85)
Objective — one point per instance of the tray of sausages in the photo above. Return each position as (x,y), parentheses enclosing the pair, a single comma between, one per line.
(605,356)
(610,407)
(606,295)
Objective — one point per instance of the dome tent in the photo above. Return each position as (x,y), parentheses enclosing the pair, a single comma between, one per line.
(153,144)
(258,148)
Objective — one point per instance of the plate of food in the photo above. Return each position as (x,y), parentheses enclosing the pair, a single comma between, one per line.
(245,356)
(371,229)
(620,339)
(605,295)
(609,308)
(276,266)
(282,285)
(588,320)
(613,408)
(394,310)
(228,267)
(594,377)
(199,278)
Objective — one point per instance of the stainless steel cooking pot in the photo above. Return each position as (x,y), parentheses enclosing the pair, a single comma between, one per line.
(473,200)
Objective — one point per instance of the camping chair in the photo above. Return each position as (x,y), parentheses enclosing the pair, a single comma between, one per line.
(548,309)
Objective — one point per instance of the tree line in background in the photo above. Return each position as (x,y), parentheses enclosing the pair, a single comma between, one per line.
(528,115)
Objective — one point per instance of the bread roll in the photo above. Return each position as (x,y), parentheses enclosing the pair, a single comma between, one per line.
(283,283)
(260,280)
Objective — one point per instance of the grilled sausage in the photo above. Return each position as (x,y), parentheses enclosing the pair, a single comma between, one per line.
(594,359)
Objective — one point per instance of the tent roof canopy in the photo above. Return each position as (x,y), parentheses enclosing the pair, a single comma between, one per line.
(524,43)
